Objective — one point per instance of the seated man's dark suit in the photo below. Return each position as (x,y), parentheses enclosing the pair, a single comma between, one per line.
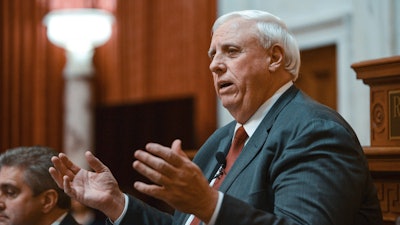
(303,165)
(69,220)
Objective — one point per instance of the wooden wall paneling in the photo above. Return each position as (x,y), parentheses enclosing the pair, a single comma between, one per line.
(5,75)
(161,53)
(39,72)
(164,68)
(33,71)
(318,74)
(48,83)
(186,69)
(141,51)
(196,69)
(106,75)
(27,116)
(25,63)
(138,31)
(2,92)
(15,73)
(54,98)
(107,78)
(171,54)
(206,104)
(134,44)
(119,63)
(188,60)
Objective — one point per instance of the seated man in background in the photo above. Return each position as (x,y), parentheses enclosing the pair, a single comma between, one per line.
(28,194)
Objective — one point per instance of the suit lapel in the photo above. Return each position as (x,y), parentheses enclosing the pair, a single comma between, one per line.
(223,146)
(255,143)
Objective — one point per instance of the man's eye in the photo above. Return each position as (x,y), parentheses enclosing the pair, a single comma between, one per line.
(211,55)
(232,51)
(11,193)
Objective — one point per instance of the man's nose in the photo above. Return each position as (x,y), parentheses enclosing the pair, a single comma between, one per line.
(217,65)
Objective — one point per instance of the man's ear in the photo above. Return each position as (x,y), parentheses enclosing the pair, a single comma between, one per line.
(277,55)
(48,200)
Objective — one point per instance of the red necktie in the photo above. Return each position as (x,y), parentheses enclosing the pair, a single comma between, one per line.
(234,151)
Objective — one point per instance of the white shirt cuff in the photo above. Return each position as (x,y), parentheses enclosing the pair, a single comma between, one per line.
(211,222)
(215,213)
(118,221)
(217,209)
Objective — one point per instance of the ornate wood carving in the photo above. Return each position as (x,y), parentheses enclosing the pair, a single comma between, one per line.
(383,77)
(388,193)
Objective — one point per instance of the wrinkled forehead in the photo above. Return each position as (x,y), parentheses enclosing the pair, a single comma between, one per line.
(234,33)
(236,26)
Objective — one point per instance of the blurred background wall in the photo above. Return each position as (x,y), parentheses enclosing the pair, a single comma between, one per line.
(157,52)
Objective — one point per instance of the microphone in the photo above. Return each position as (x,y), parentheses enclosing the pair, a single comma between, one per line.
(220,156)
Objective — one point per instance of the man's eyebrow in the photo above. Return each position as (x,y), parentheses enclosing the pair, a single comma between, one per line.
(5,185)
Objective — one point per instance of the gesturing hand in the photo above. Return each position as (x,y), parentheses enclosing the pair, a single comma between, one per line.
(97,189)
(177,180)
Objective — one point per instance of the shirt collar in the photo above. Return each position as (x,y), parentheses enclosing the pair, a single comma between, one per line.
(251,125)
(58,221)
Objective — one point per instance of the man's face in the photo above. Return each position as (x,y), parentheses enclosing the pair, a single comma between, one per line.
(240,68)
(18,206)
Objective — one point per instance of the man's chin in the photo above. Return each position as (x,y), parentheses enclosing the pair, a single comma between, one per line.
(228,103)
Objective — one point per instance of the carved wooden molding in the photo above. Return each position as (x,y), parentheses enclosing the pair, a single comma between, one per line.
(383,77)
(383,159)
(376,71)
(388,195)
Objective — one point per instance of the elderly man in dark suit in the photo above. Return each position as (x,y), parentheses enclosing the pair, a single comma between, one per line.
(301,162)
(28,194)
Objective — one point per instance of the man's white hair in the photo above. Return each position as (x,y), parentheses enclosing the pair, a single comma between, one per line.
(272,30)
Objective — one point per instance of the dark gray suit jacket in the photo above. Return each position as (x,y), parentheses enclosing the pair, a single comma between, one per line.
(303,165)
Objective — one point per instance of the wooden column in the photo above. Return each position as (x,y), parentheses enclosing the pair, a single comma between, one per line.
(383,77)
